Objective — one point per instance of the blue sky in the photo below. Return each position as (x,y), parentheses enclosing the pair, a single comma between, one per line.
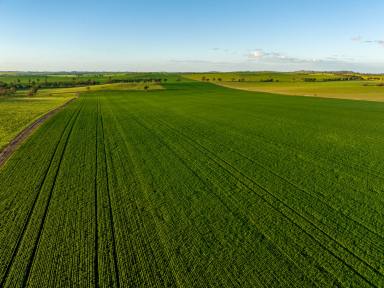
(194,35)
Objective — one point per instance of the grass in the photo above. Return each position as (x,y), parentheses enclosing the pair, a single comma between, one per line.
(17,112)
(355,90)
(370,87)
(102,78)
(74,91)
(197,185)
(280,76)
(115,86)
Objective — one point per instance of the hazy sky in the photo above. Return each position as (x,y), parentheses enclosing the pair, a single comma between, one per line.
(198,35)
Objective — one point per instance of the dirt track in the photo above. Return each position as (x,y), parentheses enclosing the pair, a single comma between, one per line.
(19,139)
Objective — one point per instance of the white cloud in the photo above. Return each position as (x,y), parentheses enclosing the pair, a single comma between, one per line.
(274,63)
(379,42)
(357,38)
(360,39)
(274,57)
(259,59)
(256,54)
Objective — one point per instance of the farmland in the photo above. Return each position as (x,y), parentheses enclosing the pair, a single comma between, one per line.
(197,185)
(354,90)
(17,112)
(330,85)
(19,109)
(24,80)
(283,76)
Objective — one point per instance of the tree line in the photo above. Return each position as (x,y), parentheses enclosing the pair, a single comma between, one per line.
(34,85)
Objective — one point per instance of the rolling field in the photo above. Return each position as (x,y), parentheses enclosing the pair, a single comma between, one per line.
(354,90)
(197,185)
(281,76)
(80,89)
(17,112)
(368,87)
(102,78)
(75,91)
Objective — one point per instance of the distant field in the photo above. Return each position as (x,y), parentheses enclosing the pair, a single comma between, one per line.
(329,85)
(197,185)
(17,112)
(101,78)
(80,89)
(356,90)
(279,76)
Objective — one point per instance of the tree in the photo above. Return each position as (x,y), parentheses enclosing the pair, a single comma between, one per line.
(33,91)
(12,90)
(3,91)
(7,91)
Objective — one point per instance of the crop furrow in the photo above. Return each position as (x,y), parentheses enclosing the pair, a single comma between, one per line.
(143,188)
(109,272)
(96,256)
(240,214)
(112,222)
(41,228)
(213,179)
(278,153)
(142,259)
(326,156)
(310,194)
(237,172)
(29,215)
(313,158)
(322,200)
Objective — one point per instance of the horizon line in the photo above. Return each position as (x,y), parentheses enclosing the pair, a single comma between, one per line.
(189,72)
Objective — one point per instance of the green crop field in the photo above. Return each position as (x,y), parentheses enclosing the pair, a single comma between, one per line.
(197,185)
(281,76)
(330,85)
(17,112)
(69,78)
(75,91)
(355,90)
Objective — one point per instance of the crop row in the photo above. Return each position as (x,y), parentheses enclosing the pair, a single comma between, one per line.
(155,189)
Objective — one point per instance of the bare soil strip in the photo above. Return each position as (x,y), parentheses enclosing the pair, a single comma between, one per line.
(23,135)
